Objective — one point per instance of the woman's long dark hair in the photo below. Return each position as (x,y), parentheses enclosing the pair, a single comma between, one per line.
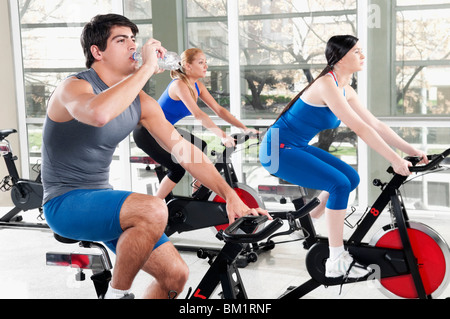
(337,47)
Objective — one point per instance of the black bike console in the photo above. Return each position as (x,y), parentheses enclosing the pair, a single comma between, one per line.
(186,214)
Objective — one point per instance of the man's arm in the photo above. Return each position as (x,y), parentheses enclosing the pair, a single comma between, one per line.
(191,158)
(75,99)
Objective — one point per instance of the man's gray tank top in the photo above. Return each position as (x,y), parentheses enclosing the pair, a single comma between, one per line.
(77,155)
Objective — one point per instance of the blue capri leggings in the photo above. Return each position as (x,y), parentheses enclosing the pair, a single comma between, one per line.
(89,215)
(314,168)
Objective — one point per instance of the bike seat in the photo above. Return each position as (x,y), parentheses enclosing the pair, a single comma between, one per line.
(5,133)
(65,240)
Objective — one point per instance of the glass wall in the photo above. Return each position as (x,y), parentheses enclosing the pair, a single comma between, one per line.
(422,59)
(282,45)
(281,49)
(422,65)
(51,50)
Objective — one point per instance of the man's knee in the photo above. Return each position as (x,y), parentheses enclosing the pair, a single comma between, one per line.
(157,209)
(143,210)
(182,271)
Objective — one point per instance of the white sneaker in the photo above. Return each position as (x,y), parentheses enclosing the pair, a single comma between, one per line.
(345,266)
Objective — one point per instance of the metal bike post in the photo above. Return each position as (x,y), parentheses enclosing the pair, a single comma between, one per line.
(407,248)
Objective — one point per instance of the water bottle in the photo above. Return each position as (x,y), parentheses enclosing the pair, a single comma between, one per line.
(171,60)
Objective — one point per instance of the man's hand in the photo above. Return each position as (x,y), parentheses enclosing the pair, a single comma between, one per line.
(237,209)
(151,52)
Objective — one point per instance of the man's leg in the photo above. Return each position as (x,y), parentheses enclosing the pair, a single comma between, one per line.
(143,219)
(169,270)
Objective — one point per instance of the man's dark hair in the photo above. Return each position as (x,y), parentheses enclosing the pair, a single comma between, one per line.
(98,30)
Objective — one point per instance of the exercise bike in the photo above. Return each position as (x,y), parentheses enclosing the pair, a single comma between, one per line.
(25,194)
(246,230)
(205,209)
(409,259)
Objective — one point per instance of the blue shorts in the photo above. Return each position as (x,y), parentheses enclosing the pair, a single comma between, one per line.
(89,215)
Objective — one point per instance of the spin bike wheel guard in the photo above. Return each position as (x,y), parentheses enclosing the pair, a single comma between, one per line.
(432,256)
(246,194)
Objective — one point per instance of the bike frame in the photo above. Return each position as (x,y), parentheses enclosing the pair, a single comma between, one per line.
(393,262)
(404,258)
(25,194)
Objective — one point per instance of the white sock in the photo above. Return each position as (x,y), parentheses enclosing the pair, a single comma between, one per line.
(335,252)
(113,293)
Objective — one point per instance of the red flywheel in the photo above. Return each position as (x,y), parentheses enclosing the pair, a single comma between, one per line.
(432,255)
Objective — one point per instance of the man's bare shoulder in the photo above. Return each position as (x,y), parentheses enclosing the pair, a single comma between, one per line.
(64,93)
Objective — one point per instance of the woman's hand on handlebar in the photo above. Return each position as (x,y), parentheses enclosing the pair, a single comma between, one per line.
(401,167)
(422,155)
(236,208)
(251,131)
(228,141)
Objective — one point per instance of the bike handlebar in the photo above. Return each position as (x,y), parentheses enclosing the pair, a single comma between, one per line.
(435,160)
(248,224)
(241,138)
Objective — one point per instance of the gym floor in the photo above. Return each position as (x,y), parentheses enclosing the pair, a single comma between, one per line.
(24,274)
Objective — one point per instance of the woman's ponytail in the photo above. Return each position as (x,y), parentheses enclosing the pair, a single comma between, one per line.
(292,102)
(187,56)
(337,47)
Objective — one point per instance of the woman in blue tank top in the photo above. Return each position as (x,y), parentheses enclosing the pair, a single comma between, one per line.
(285,151)
(178,101)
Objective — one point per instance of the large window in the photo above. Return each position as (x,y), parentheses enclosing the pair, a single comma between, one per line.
(422,58)
(281,49)
(261,53)
(282,45)
(421,67)
(51,50)
(207,29)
